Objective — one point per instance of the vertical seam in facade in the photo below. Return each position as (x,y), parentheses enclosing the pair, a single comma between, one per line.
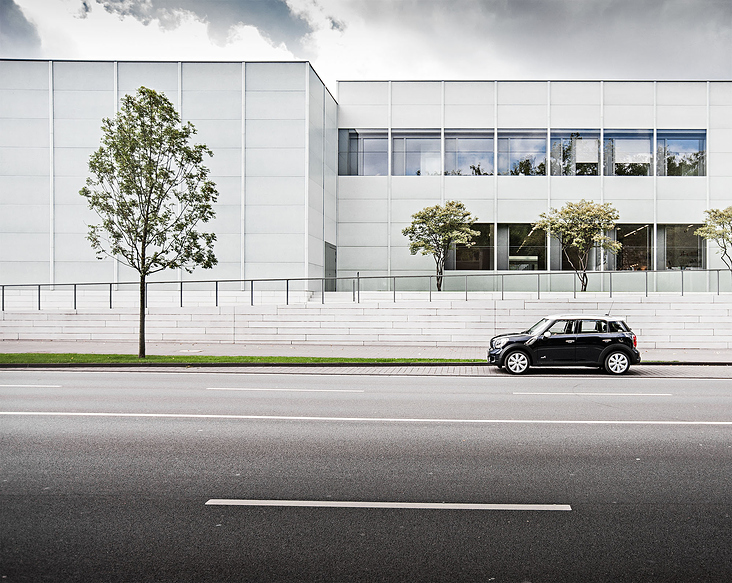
(242,185)
(547,165)
(180,112)
(306,201)
(495,175)
(322,176)
(390,154)
(115,109)
(51,180)
(443,198)
(654,164)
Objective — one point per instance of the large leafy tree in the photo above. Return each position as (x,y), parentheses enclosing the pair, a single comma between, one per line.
(717,227)
(435,229)
(581,227)
(150,189)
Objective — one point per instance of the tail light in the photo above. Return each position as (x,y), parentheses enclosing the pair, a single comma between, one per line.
(635,341)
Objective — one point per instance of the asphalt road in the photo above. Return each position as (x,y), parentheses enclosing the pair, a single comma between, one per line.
(109,476)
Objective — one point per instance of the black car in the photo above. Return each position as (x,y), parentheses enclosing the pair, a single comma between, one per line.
(568,340)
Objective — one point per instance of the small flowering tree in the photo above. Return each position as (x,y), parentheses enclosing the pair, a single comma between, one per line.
(718,228)
(581,227)
(435,229)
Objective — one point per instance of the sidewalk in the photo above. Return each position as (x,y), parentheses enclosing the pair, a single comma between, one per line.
(672,355)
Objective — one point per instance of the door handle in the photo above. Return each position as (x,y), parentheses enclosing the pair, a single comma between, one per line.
(569,341)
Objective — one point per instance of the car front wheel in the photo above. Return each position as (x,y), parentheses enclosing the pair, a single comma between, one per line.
(516,362)
(617,363)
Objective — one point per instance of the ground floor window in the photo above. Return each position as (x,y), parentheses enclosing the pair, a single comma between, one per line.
(479,256)
(681,247)
(526,247)
(636,252)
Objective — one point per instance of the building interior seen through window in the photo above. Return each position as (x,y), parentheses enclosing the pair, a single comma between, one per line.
(681,153)
(575,153)
(468,154)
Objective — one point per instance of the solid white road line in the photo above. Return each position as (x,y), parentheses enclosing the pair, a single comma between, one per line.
(32,386)
(399,505)
(286,390)
(603,394)
(361,419)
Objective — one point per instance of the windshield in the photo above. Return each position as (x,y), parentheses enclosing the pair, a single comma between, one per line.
(537,327)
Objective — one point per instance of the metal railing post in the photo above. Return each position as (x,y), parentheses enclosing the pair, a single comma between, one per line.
(393,282)
(466,288)
(217,293)
(322,291)
(110,296)
(39,297)
(358,286)
(2,293)
(502,296)
(287,292)
(430,286)
(251,292)
(646,283)
(74,296)
(574,287)
(717,281)
(538,286)
(611,283)
(682,282)
(181,294)
(353,290)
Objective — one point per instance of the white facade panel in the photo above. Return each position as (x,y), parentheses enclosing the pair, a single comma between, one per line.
(28,189)
(212,76)
(275,105)
(217,133)
(575,93)
(680,117)
(352,210)
(363,259)
(629,117)
(23,103)
(24,161)
(24,218)
(211,105)
(93,105)
(467,188)
(77,133)
(363,93)
(469,93)
(720,117)
(522,93)
(363,116)
(681,93)
(282,77)
(469,116)
(158,76)
(31,75)
(524,187)
(417,187)
(271,190)
(520,209)
(225,162)
(362,234)
(522,116)
(628,93)
(416,93)
(416,116)
(275,162)
(575,116)
(83,76)
(574,188)
(24,133)
(268,133)
(72,161)
(362,187)
(275,219)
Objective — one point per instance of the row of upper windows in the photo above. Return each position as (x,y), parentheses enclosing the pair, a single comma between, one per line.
(523,153)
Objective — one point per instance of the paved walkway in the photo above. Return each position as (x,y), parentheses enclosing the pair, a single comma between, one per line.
(687,356)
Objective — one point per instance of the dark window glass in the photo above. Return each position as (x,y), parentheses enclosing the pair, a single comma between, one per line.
(618,326)
(628,153)
(468,154)
(681,153)
(592,327)
(575,153)
(362,153)
(684,249)
(480,255)
(416,155)
(522,153)
(637,242)
(561,327)
(526,248)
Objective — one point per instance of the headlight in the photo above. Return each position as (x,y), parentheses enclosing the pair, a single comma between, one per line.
(500,342)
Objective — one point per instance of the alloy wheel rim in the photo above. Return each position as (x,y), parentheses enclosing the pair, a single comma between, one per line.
(517,362)
(618,363)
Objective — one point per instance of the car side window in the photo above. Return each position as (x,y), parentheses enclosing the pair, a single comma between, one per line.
(561,327)
(618,327)
(592,327)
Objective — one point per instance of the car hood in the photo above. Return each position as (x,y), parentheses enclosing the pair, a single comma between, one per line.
(513,336)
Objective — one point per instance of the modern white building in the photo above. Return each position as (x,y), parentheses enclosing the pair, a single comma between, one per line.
(312,186)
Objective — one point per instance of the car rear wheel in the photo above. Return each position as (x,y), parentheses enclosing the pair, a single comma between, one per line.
(516,362)
(617,362)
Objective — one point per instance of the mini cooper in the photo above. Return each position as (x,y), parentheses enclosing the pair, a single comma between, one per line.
(568,340)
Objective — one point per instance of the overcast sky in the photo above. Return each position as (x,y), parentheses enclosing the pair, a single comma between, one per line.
(390,39)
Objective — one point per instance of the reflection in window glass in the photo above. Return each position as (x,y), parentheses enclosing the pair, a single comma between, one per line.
(684,249)
(468,154)
(681,153)
(416,155)
(522,154)
(480,255)
(628,153)
(575,153)
(362,153)
(526,248)
(635,253)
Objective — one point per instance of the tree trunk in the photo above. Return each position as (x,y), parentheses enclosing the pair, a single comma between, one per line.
(584,279)
(141,343)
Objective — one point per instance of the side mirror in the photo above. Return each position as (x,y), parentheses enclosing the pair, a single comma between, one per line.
(547,334)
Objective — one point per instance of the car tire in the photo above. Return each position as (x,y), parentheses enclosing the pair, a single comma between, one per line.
(617,362)
(516,362)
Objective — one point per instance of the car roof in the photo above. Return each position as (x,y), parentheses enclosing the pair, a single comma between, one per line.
(584,317)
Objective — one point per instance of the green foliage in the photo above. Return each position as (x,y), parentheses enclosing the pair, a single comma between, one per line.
(150,189)
(718,228)
(435,229)
(581,227)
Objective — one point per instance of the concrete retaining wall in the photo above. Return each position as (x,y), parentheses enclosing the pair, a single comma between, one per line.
(692,321)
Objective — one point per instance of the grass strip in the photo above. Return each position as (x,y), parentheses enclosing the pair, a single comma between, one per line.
(21,358)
